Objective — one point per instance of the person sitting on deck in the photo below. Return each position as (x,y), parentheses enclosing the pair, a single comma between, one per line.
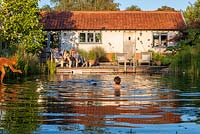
(57,57)
(76,58)
(67,58)
(57,54)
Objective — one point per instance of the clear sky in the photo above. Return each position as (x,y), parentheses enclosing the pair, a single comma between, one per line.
(146,4)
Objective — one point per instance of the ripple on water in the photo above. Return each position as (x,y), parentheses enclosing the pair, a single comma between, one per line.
(88,104)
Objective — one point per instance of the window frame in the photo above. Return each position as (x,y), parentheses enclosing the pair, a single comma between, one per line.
(92,40)
(160,41)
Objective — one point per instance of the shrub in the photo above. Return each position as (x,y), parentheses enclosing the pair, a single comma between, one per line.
(164,59)
(83,53)
(97,53)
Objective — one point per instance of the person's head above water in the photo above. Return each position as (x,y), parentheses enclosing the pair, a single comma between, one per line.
(117,80)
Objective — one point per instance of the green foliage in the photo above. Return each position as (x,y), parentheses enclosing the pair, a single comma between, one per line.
(133,8)
(43,68)
(46,8)
(156,56)
(187,61)
(173,49)
(191,37)
(28,63)
(51,67)
(167,59)
(20,28)
(100,52)
(20,25)
(97,53)
(83,5)
(164,59)
(92,55)
(83,53)
(192,15)
(166,8)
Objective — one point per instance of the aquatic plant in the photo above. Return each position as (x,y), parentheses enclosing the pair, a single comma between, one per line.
(28,62)
(51,67)
(187,61)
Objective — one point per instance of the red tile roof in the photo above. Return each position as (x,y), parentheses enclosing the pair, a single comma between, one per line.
(113,20)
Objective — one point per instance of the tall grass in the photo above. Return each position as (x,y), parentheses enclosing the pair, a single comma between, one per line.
(187,61)
(29,63)
(99,53)
(51,67)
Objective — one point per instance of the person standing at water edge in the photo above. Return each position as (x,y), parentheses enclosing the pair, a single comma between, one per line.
(117,86)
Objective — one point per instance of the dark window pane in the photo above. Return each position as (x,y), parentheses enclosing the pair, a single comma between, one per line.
(97,37)
(82,37)
(90,37)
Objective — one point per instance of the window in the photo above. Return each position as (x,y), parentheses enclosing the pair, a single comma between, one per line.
(90,37)
(159,39)
(97,37)
(82,37)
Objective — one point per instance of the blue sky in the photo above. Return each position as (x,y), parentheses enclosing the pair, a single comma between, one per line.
(146,4)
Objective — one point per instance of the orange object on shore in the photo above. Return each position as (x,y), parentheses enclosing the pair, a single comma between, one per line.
(5,62)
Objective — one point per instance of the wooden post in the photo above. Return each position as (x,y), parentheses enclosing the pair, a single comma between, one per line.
(61,63)
(124,65)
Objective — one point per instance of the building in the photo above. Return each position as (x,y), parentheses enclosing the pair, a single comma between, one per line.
(128,32)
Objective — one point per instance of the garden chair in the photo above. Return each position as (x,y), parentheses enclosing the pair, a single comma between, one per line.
(145,58)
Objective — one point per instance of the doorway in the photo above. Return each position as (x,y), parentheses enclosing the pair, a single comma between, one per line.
(129,44)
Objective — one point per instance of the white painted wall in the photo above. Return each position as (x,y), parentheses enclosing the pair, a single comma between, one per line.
(112,41)
(144,40)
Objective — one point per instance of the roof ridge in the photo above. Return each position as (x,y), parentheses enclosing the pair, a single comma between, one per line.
(121,11)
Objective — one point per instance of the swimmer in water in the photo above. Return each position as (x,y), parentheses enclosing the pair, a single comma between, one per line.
(117,85)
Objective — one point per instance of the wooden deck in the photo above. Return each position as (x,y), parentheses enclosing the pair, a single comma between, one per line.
(111,69)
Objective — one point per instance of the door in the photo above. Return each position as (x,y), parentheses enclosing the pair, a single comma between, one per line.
(129,44)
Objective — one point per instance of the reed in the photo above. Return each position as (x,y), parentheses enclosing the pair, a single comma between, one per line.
(29,63)
(51,67)
(187,61)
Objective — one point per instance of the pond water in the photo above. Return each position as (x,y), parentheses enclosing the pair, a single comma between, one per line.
(88,104)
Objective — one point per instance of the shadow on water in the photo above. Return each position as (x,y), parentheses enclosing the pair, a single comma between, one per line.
(87,103)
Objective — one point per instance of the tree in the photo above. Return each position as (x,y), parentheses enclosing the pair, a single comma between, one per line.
(20,25)
(133,8)
(46,8)
(83,5)
(166,8)
(187,58)
(192,15)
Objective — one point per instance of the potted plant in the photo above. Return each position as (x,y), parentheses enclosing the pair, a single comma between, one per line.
(95,55)
(157,57)
(92,57)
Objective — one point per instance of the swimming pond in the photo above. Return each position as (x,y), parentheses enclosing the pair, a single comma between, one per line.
(88,103)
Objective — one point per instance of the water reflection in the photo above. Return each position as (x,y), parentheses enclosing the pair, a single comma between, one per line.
(89,104)
(18,109)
